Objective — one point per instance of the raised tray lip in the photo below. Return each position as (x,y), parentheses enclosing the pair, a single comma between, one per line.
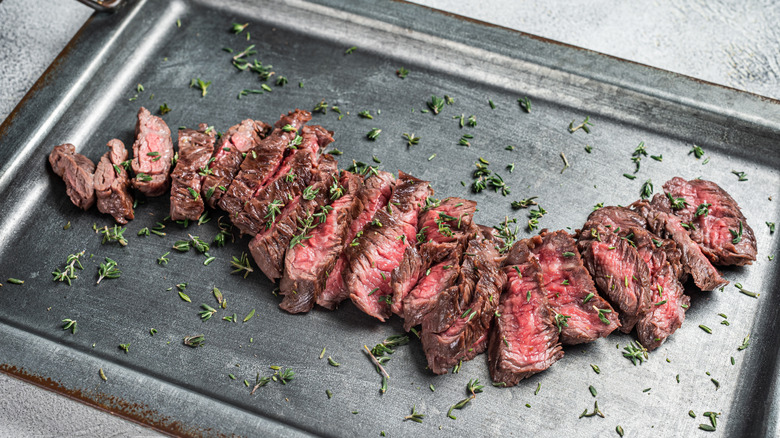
(83,46)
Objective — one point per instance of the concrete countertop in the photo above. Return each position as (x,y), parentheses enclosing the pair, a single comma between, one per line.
(728,42)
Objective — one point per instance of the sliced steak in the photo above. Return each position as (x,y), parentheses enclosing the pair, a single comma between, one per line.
(573,298)
(195,149)
(450,221)
(373,196)
(112,184)
(262,162)
(615,218)
(694,262)
(306,266)
(152,154)
(713,218)
(294,225)
(295,173)
(524,339)
(439,268)
(456,328)
(381,247)
(669,301)
(619,272)
(76,170)
(227,158)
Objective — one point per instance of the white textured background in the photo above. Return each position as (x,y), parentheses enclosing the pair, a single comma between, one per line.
(728,42)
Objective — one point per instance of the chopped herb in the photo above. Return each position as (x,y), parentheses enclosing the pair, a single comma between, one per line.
(70,324)
(125,347)
(742,176)
(69,272)
(411,139)
(705,328)
(238,28)
(199,83)
(524,203)
(332,362)
(703,209)
(107,270)
(629,176)
(472,121)
(241,264)
(402,72)
(635,352)
(281,81)
(373,134)
(697,152)
(250,315)
(163,260)
(436,104)
(115,234)
(677,203)
(525,104)
(365,114)
(164,109)
(647,189)
(244,92)
(745,343)
(592,391)
(584,125)
(350,50)
(561,321)
(194,341)
(596,369)
(771,226)
(207,312)
(736,234)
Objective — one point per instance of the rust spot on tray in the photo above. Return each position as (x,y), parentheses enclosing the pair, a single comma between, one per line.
(137,412)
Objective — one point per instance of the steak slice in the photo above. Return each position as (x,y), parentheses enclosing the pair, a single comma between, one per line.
(714,220)
(152,154)
(694,262)
(295,173)
(112,184)
(570,290)
(450,221)
(227,158)
(524,339)
(76,170)
(262,162)
(381,247)
(619,272)
(294,224)
(373,196)
(306,266)
(195,149)
(456,327)
(614,218)
(438,269)
(669,301)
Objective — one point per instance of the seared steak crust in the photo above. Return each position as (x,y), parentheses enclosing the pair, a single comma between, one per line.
(76,170)
(112,184)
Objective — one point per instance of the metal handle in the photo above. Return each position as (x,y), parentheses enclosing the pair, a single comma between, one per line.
(102,5)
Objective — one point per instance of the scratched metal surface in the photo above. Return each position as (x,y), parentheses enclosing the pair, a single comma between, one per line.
(83,99)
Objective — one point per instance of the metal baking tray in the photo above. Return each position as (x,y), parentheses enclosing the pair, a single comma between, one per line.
(84,98)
